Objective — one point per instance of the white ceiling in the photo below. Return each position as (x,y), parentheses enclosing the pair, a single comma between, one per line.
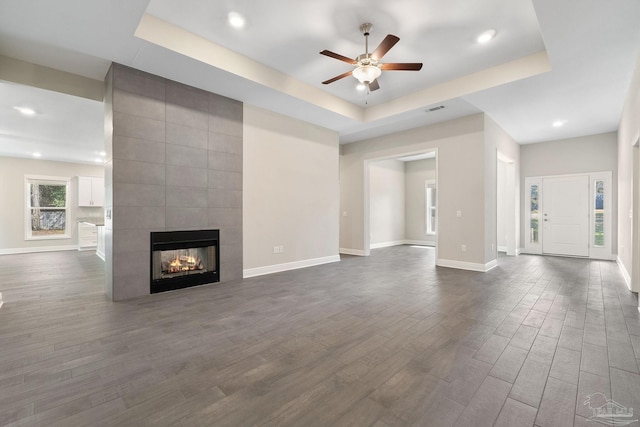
(64,128)
(551,60)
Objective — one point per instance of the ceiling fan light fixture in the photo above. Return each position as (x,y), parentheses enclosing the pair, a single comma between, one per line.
(366,73)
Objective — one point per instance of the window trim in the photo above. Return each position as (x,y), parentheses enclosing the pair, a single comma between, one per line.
(530,246)
(427,208)
(28,179)
(604,251)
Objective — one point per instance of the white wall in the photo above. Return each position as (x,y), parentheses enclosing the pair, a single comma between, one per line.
(387,202)
(500,144)
(593,153)
(628,134)
(460,153)
(416,173)
(290,192)
(12,213)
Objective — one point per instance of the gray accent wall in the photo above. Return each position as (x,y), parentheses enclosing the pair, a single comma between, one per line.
(174,163)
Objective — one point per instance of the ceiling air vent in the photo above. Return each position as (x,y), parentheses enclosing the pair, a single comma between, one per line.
(432,109)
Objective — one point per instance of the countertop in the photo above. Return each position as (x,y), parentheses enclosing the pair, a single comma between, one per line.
(97,221)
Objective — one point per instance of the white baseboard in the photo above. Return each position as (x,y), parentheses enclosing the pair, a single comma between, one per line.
(420,242)
(472,266)
(387,244)
(35,249)
(527,252)
(625,273)
(357,252)
(269,269)
(502,249)
(402,242)
(519,251)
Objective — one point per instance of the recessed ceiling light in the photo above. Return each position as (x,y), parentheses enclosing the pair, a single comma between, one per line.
(236,20)
(37,155)
(360,87)
(486,36)
(102,153)
(25,110)
(98,160)
(559,123)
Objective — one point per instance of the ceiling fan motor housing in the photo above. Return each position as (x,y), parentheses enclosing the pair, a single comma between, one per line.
(366,59)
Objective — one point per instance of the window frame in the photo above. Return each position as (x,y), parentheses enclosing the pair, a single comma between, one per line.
(50,180)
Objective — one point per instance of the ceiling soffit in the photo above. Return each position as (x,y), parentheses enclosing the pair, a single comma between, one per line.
(169,36)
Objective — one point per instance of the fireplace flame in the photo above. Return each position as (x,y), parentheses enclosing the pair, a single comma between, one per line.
(184,263)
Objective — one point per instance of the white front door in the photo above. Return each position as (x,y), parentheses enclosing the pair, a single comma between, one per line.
(565,215)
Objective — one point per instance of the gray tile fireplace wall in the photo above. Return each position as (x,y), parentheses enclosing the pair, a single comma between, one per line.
(174,162)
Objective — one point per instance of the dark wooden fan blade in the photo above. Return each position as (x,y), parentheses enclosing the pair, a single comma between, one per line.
(374,85)
(341,76)
(398,66)
(384,47)
(338,56)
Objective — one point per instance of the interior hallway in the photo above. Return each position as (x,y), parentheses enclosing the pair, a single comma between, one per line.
(382,340)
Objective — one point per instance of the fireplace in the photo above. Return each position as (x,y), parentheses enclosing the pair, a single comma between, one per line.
(180,259)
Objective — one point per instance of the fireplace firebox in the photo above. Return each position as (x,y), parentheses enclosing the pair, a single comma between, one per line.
(180,259)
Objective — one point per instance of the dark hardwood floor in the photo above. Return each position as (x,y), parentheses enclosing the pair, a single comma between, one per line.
(387,340)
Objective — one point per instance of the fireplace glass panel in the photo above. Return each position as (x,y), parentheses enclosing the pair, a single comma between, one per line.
(183,262)
(180,259)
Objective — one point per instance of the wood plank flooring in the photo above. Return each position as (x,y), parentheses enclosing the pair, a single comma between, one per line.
(387,340)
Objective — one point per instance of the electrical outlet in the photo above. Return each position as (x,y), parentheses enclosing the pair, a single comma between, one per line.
(281,248)
(459,214)
(275,249)
(463,248)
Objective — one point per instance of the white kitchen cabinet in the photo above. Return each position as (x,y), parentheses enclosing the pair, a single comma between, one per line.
(87,236)
(90,191)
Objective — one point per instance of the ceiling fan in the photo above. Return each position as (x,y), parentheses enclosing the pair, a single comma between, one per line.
(368,66)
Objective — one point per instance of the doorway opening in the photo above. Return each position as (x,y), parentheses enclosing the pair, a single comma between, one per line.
(634,218)
(507,211)
(401,200)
